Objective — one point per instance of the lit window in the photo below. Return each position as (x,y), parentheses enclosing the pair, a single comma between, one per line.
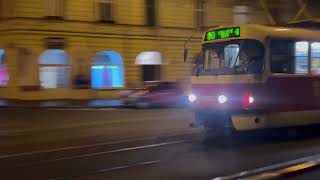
(315,58)
(301,57)
(107,70)
(4,76)
(54,70)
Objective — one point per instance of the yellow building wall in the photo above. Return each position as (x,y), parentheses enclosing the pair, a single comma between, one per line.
(171,13)
(80,10)
(177,13)
(220,12)
(7,8)
(29,8)
(130,12)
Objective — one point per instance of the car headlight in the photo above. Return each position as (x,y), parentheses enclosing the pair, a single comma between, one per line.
(192,97)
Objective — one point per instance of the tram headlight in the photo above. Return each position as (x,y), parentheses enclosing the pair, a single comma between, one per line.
(192,97)
(251,99)
(222,99)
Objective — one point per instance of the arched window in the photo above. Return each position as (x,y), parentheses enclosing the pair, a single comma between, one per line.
(4,76)
(54,69)
(107,70)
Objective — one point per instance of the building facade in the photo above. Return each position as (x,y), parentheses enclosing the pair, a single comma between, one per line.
(86,49)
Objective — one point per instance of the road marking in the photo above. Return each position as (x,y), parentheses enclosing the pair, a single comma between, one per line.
(103,171)
(58,178)
(104,153)
(68,126)
(83,109)
(130,166)
(113,168)
(14,155)
(274,170)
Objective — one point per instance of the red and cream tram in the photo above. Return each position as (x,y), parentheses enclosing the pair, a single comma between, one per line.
(255,77)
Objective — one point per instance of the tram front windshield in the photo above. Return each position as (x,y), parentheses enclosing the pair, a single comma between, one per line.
(232,57)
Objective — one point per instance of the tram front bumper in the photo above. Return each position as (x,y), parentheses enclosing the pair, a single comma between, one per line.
(228,119)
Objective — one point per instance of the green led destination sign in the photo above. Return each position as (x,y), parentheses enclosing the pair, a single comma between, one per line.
(222,34)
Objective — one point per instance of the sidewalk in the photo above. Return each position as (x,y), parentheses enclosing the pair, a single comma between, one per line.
(62,103)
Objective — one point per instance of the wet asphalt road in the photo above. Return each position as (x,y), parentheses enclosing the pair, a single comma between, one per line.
(134,144)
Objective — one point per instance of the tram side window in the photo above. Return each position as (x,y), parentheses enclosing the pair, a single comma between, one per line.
(301,57)
(281,59)
(315,58)
(289,57)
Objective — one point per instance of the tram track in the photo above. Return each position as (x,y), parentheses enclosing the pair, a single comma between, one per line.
(86,155)
(182,155)
(121,143)
(109,170)
(106,161)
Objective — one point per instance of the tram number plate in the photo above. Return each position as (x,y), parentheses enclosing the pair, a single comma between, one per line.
(316,88)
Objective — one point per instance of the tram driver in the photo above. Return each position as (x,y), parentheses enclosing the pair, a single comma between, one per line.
(251,58)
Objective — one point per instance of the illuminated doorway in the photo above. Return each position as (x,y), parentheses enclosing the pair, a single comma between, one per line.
(150,62)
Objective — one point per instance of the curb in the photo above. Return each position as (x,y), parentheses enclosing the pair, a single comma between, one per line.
(289,171)
(94,104)
(277,171)
(61,107)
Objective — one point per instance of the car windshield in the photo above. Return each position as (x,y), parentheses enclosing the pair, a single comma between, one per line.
(232,57)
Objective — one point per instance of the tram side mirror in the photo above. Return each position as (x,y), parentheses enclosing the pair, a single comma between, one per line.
(185,55)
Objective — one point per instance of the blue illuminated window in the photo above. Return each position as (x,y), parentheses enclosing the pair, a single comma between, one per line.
(107,70)
(54,70)
(4,76)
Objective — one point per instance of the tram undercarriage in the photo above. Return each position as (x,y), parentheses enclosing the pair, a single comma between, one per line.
(245,121)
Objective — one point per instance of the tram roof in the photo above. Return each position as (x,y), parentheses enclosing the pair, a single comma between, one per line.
(261,32)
